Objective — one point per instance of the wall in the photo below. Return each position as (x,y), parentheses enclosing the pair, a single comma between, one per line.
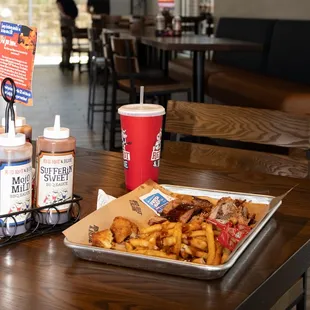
(153,7)
(285,9)
(120,7)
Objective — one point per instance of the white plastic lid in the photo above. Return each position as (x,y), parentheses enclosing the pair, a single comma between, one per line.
(142,110)
(19,121)
(56,132)
(12,139)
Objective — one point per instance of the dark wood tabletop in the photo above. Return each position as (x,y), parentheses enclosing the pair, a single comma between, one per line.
(43,274)
(199,43)
(133,31)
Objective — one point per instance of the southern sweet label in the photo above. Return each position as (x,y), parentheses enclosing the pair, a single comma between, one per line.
(55,179)
(16,181)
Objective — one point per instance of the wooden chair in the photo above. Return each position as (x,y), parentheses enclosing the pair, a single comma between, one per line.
(106,36)
(268,127)
(128,78)
(97,65)
(79,47)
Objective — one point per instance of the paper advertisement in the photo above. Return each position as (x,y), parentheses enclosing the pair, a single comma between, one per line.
(17,52)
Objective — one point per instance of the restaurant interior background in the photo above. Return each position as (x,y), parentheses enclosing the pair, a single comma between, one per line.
(44,15)
(49,80)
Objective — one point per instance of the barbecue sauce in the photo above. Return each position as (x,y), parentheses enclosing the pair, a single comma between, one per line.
(55,163)
(15,181)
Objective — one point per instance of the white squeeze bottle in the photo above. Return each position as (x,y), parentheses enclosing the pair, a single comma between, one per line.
(55,162)
(15,181)
(21,126)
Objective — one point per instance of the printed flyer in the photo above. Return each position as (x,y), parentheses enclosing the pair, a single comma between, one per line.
(17,50)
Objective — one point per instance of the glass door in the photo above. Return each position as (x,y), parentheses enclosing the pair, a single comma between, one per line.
(45,16)
(15,10)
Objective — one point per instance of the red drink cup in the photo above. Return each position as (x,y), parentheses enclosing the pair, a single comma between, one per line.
(141,140)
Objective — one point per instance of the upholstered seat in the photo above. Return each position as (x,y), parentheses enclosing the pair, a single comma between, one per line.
(253,90)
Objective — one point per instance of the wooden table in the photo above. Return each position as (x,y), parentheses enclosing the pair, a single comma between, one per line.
(198,44)
(44,274)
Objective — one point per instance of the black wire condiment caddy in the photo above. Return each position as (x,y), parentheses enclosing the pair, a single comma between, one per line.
(35,221)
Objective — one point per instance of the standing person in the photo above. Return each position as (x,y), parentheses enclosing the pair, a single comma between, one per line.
(68,13)
(98,7)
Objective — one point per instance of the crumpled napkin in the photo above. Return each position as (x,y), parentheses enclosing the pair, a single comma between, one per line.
(103,199)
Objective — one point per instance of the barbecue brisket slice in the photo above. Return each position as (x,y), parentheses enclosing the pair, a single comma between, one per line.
(227,209)
(183,210)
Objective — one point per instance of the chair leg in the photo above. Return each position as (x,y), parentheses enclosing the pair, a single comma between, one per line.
(80,65)
(93,98)
(113,118)
(189,96)
(105,103)
(163,102)
(89,94)
(133,96)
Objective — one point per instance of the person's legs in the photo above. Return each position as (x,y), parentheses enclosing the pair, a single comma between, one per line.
(67,26)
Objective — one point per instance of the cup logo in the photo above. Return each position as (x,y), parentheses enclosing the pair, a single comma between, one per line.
(155,158)
(126,154)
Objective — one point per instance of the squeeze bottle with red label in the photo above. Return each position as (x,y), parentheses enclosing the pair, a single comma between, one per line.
(20,126)
(15,181)
(55,163)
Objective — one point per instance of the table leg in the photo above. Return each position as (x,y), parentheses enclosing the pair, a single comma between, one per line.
(165,61)
(197,26)
(198,76)
(302,304)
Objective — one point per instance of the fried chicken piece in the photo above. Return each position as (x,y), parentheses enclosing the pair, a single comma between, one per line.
(122,228)
(103,239)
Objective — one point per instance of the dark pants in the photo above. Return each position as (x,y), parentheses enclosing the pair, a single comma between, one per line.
(66,28)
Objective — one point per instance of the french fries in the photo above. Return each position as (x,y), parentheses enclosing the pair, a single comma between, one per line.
(199,244)
(139,243)
(194,242)
(170,241)
(218,254)
(198,233)
(211,244)
(178,237)
(155,253)
(225,255)
(151,229)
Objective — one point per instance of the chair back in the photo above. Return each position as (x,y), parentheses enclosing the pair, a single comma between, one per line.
(112,20)
(124,47)
(95,42)
(239,124)
(125,56)
(106,36)
(149,20)
(260,126)
(256,30)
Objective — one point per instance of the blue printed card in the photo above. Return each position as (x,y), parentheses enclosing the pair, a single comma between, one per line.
(156,200)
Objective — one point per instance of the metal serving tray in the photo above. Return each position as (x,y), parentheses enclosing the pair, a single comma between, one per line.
(174,267)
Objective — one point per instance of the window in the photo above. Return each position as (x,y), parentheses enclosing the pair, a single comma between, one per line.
(44,15)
